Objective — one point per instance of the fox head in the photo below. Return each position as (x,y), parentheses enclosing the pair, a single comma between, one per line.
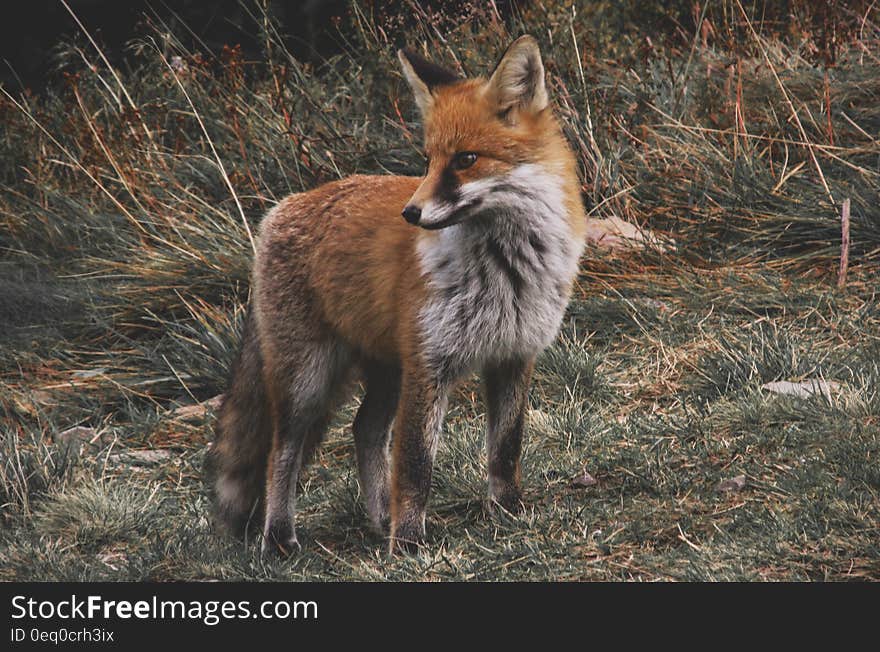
(483,136)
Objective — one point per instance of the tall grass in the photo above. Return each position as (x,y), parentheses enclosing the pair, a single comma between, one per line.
(150,183)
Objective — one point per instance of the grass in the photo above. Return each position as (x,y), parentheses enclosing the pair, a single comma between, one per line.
(124,257)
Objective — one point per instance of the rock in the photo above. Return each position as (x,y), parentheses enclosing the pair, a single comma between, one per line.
(77,434)
(142,457)
(803,389)
(197,411)
(90,373)
(615,233)
(83,435)
(585,480)
(737,483)
(656,304)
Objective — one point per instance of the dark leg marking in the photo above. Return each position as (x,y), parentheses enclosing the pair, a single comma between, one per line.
(507,386)
(372,432)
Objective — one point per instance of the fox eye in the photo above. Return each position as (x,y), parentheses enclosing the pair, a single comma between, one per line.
(464,160)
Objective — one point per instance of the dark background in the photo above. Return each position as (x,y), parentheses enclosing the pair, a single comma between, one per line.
(31,30)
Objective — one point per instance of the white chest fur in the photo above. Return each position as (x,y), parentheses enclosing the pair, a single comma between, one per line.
(499,281)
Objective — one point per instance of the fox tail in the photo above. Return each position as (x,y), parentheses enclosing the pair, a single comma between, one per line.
(236,462)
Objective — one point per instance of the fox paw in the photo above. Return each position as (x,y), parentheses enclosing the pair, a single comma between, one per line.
(510,500)
(380,514)
(407,539)
(280,540)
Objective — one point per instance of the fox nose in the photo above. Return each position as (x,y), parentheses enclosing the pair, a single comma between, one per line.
(412,214)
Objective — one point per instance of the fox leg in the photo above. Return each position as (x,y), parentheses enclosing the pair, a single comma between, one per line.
(300,408)
(507,388)
(417,427)
(372,433)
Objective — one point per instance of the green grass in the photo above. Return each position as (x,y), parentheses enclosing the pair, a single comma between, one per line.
(124,264)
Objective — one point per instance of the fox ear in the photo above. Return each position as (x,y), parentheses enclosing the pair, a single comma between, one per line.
(518,80)
(423,77)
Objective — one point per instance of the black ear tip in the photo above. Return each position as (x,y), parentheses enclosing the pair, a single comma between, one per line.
(405,57)
(412,57)
(430,73)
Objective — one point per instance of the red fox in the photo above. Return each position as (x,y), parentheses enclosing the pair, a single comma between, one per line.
(475,276)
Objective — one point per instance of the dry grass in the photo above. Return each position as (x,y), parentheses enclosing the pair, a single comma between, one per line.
(127,202)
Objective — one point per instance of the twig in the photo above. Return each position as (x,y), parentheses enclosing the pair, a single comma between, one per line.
(862,32)
(844,243)
(682,537)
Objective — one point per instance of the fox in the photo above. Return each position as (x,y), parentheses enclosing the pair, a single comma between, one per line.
(409,284)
